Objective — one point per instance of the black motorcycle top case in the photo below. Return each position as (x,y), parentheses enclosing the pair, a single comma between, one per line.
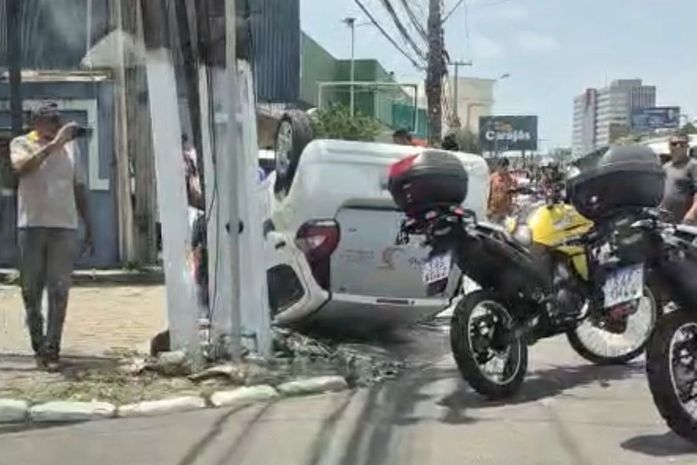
(625,177)
(429,180)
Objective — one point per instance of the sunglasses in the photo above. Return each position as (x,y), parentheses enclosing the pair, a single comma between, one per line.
(678,144)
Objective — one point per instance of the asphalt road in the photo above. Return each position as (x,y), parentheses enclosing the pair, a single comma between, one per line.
(568,413)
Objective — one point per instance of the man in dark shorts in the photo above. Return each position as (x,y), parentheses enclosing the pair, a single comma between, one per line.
(680,195)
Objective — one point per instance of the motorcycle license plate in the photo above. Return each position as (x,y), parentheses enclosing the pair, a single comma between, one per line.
(436,269)
(624,285)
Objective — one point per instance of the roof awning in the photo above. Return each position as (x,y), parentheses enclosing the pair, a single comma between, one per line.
(106,52)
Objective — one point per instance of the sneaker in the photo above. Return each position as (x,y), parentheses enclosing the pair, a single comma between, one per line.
(53,366)
(41,362)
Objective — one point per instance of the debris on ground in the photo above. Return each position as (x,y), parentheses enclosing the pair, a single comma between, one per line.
(360,364)
(136,378)
(175,363)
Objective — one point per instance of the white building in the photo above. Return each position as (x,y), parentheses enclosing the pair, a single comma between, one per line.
(475,98)
(602,115)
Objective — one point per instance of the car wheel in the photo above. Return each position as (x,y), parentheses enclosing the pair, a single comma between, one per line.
(294,133)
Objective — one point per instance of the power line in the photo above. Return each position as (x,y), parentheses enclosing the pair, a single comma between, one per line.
(402,30)
(452,10)
(387,36)
(407,5)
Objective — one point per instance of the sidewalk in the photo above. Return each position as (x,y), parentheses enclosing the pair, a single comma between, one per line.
(101,319)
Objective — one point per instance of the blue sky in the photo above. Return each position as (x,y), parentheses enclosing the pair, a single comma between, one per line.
(553,49)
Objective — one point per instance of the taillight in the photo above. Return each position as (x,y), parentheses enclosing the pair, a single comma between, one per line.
(318,239)
(402,166)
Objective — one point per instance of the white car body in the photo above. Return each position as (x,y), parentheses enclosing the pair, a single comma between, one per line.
(372,280)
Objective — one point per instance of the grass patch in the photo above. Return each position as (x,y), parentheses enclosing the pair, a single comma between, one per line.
(108,386)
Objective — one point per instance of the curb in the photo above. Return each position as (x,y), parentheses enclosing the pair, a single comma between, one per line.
(17,412)
(86,277)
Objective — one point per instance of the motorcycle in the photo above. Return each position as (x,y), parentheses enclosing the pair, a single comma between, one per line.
(671,353)
(554,231)
(571,268)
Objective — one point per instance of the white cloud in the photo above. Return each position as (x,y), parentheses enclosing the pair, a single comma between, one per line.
(536,42)
(485,47)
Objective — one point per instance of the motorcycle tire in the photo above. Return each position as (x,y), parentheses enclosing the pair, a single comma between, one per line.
(659,373)
(465,356)
(598,359)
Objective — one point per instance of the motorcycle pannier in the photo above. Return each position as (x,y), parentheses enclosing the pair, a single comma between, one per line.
(428,180)
(624,177)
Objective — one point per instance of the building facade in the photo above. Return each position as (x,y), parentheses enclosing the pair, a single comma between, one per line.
(585,109)
(603,115)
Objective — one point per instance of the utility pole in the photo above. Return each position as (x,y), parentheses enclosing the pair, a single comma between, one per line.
(170,177)
(14,62)
(456,86)
(233,143)
(351,23)
(435,73)
(187,41)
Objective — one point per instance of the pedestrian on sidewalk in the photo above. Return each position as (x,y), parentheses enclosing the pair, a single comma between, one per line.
(680,195)
(52,192)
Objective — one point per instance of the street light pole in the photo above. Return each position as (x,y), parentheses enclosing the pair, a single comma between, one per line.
(351,23)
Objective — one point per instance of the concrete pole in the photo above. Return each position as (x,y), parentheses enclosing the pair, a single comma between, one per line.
(171,189)
(435,72)
(456,89)
(127,250)
(235,148)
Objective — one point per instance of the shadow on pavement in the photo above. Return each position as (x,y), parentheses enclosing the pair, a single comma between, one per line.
(659,445)
(541,385)
(216,430)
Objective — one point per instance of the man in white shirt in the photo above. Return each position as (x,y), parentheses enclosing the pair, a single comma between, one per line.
(51,194)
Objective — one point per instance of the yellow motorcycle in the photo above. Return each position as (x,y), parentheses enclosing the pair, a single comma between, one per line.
(557,235)
(575,268)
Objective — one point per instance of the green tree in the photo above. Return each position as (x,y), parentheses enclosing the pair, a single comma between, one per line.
(688,129)
(336,122)
(467,141)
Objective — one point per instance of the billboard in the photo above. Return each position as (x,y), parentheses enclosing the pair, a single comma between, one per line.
(650,119)
(503,133)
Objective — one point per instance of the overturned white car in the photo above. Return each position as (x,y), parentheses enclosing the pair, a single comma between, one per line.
(332,234)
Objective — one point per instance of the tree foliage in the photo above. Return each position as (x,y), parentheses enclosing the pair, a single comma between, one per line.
(688,129)
(336,122)
(467,141)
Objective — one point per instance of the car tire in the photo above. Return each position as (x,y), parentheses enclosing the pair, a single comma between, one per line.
(293,134)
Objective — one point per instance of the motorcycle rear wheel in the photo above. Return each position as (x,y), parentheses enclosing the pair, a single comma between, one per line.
(477,338)
(579,337)
(664,356)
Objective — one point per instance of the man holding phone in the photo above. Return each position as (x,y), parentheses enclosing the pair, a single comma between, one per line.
(52,193)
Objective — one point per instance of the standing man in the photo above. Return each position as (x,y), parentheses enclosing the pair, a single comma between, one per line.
(51,194)
(680,195)
(501,189)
